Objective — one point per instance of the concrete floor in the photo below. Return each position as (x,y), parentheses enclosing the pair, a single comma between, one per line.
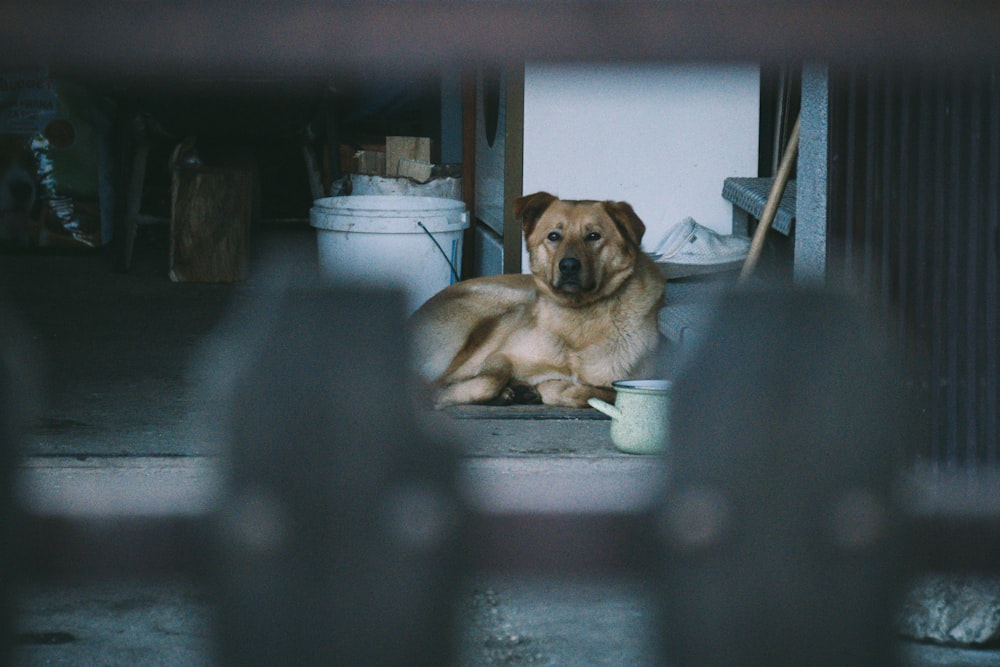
(114,352)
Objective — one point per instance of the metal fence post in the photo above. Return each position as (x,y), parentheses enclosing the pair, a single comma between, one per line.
(18,395)
(780,525)
(340,523)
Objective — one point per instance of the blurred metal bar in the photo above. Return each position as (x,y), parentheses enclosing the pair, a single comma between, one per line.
(782,538)
(76,548)
(956,544)
(953,519)
(337,535)
(213,38)
(18,387)
(600,545)
(108,517)
(73,547)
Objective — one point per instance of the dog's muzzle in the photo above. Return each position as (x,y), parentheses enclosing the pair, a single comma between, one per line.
(569,275)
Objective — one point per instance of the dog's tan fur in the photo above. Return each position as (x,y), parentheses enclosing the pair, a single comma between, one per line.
(556,335)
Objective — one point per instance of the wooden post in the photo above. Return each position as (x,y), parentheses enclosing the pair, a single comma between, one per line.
(210,224)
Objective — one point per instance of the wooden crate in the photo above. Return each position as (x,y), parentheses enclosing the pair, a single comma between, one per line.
(210,224)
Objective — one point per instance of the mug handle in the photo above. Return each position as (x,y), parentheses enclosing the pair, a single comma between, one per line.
(605,407)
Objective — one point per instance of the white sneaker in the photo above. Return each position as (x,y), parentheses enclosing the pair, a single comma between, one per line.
(690,249)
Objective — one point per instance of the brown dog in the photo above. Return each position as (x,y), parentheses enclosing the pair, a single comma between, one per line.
(584,318)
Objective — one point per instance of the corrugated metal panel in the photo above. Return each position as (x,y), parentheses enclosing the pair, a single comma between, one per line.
(914,197)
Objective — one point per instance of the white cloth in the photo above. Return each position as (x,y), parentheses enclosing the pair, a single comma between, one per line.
(690,249)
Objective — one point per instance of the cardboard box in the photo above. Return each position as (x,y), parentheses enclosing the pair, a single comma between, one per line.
(405,148)
(418,171)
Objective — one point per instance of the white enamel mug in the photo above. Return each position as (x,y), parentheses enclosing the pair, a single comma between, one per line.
(640,415)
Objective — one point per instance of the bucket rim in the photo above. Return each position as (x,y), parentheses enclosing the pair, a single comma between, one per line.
(382,204)
(646,386)
(415,223)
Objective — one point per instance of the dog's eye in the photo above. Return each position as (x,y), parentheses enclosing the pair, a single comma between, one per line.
(593,236)
(555,236)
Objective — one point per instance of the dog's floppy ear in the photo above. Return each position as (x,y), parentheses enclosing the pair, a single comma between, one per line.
(628,223)
(528,209)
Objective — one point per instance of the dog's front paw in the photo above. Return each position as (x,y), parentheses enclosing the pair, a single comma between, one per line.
(524,394)
(573,395)
(480,390)
(505,397)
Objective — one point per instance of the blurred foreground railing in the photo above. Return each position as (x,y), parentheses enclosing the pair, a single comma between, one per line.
(337,528)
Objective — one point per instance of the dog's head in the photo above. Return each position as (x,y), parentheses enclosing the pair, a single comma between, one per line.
(580,251)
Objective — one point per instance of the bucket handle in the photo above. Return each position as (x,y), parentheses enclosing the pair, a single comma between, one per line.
(443,253)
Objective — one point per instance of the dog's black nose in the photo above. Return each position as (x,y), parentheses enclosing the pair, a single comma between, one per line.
(569,266)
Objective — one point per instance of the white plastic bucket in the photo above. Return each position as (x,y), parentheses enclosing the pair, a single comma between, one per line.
(413,243)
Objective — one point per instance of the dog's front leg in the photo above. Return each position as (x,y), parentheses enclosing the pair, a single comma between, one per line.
(483,387)
(572,394)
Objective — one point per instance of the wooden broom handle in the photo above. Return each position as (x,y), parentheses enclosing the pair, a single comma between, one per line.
(773,199)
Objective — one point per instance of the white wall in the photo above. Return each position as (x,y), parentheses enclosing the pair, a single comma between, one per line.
(661,137)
